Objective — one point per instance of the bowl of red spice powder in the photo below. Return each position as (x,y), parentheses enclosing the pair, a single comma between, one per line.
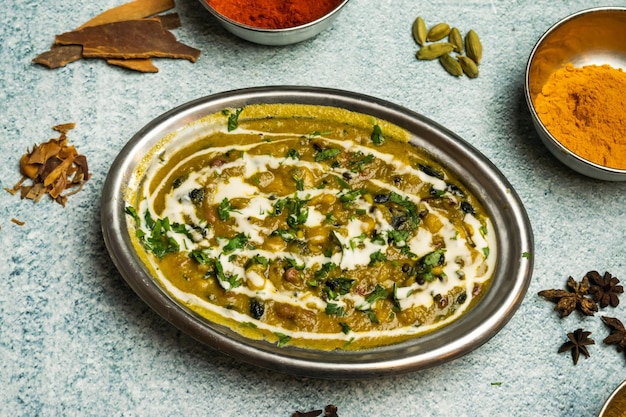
(275,22)
(576,91)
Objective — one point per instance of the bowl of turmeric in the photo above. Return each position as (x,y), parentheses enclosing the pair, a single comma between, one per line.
(574,87)
(275,22)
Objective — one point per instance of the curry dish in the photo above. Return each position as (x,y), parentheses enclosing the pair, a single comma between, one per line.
(309,226)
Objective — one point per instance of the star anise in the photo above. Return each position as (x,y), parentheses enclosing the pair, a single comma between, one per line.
(329,411)
(575,297)
(577,344)
(313,413)
(604,288)
(618,333)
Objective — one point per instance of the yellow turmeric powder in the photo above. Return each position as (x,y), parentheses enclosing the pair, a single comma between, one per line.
(585,110)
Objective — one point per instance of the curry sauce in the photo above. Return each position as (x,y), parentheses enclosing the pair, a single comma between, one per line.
(310,226)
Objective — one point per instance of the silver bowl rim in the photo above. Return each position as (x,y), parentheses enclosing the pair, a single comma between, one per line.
(279,31)
(581,164)
(467,333)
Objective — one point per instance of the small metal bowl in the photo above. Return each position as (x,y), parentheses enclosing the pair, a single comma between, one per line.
(276,37)
(513,235)
(615,405)
(590,37)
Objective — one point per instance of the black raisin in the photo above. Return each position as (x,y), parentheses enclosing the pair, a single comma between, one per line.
(428,170)
(256,309)
(197,195)
(467,207)
(381,198)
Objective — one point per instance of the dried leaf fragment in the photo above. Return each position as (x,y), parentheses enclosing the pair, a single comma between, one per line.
(573,298)
(52,168)
(577,344)
(129,39)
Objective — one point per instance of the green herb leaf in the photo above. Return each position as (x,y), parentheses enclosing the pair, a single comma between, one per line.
(224,209)
(293,154)
(377,256)
(201,257)
(237,242)
(283,339)
(228,282)
(377,136)
(339,285)
(333,309)
(326,154)
(130,210)
(379,293)
(233,119)
(345,329)
(286,235)
(371,315)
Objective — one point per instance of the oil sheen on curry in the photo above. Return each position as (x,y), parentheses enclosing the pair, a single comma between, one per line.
(309,226)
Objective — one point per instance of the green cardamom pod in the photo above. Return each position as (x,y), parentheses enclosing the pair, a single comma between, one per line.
(473,47)
(419,31)
(456,39)
(434,50)
(438,32)
(451,65)
(469,66)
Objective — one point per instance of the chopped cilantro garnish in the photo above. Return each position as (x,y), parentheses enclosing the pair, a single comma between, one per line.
(345,329)
(228,282)
(409,208)
(379,293)
(326,154)
(233,119)
(424,266)
(333,309)
(130,210)
(237,242)
(377,256)
(293,154)
(224,209)
(398,237)
(350,196)
(283,339)
(294,264)
(159,242)
(338,286)
(286,235)
(359,165)
(325,270)
(200,256)
(486,252)
(371,315)
(260,260)
(342,183)
(377,136)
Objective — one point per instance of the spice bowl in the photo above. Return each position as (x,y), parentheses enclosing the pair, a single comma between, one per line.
(299,32)
(589,37)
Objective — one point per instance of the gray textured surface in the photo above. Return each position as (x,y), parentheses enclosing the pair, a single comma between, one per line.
(75,340)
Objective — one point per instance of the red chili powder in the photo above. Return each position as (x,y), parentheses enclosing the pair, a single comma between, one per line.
(273,14)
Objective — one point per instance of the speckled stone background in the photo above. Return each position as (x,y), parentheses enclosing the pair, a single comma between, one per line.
(75,340)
